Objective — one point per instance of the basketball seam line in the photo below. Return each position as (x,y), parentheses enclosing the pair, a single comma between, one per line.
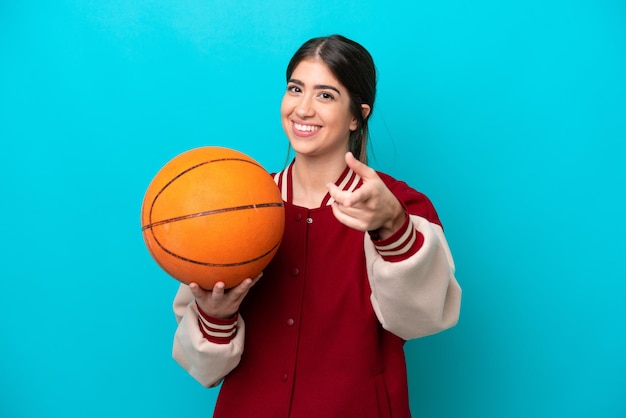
(208,264)
(211,212)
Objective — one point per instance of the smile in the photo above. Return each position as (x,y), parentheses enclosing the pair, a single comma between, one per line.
(306,128)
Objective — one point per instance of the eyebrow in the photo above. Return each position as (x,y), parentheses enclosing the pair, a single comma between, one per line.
(317,86)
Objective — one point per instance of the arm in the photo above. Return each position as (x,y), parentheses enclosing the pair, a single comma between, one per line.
(409,266)
(414,291)
(208,348)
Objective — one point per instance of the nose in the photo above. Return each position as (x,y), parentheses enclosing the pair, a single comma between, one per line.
(304,107)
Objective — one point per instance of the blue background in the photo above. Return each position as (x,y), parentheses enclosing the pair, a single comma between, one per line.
(509,115)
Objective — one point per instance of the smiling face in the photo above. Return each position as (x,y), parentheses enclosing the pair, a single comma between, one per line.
(316,112)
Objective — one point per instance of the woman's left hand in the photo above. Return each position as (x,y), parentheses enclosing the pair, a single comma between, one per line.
(370,207)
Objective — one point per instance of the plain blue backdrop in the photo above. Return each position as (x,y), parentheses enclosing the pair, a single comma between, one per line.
(509,115)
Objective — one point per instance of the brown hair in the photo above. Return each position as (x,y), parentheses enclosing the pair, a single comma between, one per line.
(354,67)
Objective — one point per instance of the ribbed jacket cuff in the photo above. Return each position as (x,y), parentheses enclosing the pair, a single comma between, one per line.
(217,330)
(405,242)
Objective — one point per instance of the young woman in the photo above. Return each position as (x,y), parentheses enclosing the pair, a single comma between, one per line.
(363,266)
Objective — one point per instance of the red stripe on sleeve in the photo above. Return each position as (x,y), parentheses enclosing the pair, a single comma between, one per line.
(217,330)
(404,243)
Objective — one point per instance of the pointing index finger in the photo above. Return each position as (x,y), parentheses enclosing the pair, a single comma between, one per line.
(363,170)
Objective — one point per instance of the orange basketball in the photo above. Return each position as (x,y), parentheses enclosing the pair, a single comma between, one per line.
(212,214)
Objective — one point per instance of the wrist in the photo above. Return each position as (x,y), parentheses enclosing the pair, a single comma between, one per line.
(392,225)
(213,312)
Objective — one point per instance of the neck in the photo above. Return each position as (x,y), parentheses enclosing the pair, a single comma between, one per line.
(310,178)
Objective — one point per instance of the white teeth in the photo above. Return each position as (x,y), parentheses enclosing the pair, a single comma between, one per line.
(306,128)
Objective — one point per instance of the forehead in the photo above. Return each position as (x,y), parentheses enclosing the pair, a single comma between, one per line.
(315,72)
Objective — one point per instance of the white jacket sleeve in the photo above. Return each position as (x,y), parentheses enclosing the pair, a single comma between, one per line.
(205,361)
(419,295)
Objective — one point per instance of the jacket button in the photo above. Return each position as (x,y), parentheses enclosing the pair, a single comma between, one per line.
(309,220)
(284,377)
(298,217)
(295,271)
(290,322)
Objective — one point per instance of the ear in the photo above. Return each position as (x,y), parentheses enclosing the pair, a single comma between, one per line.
(365,111)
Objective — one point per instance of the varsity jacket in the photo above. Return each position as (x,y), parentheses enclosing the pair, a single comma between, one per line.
(321,334)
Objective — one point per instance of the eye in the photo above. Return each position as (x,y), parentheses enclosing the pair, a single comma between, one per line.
(326,96)
(292,88)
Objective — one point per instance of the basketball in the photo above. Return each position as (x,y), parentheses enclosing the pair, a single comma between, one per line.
(212,214)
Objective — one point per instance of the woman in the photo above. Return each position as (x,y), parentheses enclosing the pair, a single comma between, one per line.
(363,266)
